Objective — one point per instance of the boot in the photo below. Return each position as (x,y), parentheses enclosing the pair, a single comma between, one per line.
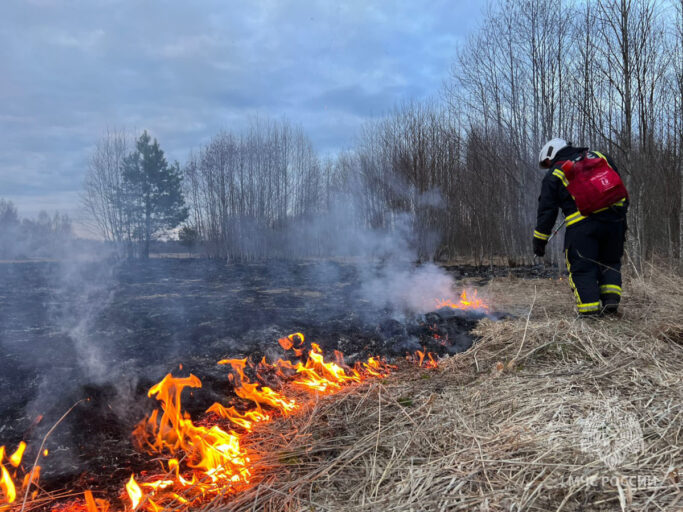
(610,304)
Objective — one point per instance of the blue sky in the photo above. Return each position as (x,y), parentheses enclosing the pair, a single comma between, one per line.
(186,69)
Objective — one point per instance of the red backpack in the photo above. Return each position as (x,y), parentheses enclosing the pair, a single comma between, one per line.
(593,184)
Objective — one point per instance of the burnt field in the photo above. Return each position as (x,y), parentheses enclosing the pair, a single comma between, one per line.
(106,333)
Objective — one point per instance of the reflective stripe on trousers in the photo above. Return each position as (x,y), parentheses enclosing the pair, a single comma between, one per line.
(610,288)
(583,307)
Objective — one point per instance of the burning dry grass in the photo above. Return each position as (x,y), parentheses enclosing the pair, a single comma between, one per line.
(545,412)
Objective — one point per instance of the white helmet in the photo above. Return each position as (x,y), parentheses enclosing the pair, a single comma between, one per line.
(550,150)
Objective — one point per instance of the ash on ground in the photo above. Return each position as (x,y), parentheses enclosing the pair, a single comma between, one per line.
(108,334)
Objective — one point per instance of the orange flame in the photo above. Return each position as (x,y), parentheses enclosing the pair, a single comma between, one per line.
(431,362)
(246,420)
(422,357)
(293,342)
(204,462)
(95,504)
(318,375)
(90,502)
(9,477)
(134,492)
(215,457)
(326,377)
(465,302)
(7,485)
(217,461)
(15,458)
(250,390)
(374,367)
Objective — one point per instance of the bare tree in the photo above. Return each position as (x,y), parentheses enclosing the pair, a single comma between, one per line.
(604,77)
(603,73)
(103,195)
(677,123)
(247,190)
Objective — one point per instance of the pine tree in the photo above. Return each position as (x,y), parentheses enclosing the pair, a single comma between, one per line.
(153,195)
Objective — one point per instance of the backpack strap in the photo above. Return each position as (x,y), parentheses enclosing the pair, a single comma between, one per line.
(559,173)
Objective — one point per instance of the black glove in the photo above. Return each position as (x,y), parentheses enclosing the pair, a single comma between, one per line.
(539,247)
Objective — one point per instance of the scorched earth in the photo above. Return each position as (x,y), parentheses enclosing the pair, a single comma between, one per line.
(108,333)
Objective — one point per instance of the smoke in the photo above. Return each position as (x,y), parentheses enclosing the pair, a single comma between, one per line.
(386,257)
(53,348)
(405,289)
(104,325)
(83,289)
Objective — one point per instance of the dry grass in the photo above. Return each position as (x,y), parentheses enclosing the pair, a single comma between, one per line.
(513,424)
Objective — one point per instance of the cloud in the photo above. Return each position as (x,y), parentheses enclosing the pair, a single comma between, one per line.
(185,70)
(82,40)
(356,99)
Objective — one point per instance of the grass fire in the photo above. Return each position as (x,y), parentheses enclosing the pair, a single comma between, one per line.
(343,419)
(206,459)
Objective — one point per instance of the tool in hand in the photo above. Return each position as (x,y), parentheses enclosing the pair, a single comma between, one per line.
(557,230)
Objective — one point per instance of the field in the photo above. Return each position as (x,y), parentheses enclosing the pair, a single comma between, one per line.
(504,425)
(107,332)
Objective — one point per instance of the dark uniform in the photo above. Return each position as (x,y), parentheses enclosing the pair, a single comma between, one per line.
(593,245)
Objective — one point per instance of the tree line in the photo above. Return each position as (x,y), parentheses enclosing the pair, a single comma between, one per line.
(40,237)
(463,167)
(246,190)
(606,74)
(132,194)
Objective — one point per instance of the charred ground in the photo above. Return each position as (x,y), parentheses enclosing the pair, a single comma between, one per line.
(108,332)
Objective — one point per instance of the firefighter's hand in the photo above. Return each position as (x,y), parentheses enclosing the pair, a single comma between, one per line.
(539,247)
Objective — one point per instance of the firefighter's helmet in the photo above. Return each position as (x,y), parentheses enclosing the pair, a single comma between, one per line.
(550,150)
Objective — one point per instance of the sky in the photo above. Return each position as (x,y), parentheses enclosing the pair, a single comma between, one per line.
(186,69)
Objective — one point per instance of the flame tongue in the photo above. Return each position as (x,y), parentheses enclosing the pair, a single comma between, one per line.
(321,376)
(250,390)
(214,455)
(293,342)
(16,457)
(8,477)
(424,357)
(246,420)
(95,505)
(465,302)
(134,492)
(217,463)
(7,486)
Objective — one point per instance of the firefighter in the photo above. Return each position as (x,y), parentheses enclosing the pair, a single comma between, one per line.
(593,243)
